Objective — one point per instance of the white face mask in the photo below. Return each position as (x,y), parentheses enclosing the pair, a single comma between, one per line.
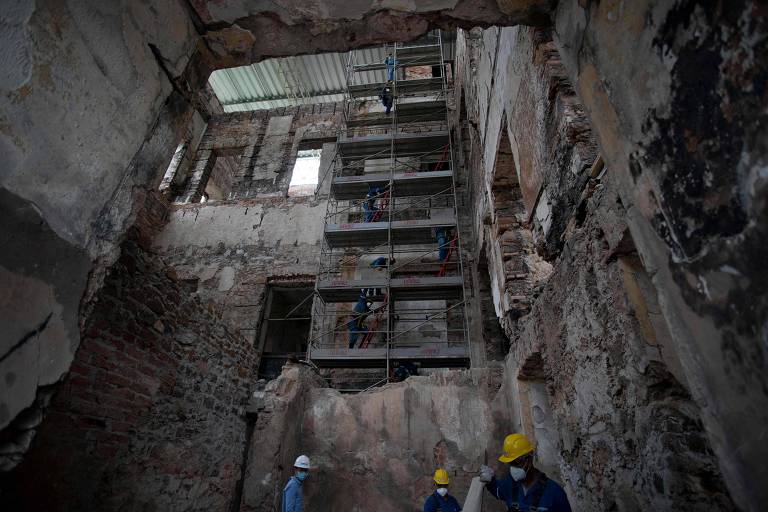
(517,473)
(442,491)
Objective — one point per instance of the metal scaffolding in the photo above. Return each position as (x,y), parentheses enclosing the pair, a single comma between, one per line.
(390,282)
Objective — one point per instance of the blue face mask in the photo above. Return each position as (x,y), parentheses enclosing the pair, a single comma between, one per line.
(302,475)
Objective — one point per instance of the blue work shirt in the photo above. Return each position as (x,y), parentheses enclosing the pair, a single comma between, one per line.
(380,262)
(360,311)
(436,502)
(374,191)
(553,499)
(293,498)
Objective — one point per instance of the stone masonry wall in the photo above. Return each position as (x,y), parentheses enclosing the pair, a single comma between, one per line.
(593,374)
(676,93)
(259,148)
(626,432)
(527,124)
(152,411)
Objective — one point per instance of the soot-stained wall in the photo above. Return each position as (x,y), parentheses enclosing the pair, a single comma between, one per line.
(593,375)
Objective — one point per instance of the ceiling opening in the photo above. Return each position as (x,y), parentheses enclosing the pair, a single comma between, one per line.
(299,80)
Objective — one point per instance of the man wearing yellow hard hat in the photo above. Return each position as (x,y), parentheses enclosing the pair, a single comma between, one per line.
(524,487)
(440,499)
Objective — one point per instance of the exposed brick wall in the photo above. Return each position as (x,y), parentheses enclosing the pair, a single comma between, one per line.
(151,413)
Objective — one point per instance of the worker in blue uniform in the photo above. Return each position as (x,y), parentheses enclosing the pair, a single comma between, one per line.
(356,325)
(404,370)
(380,263)
(369,211)
(442,243)
(440,500)
(525,487)
(387,96)
(293,495)
(374,193)
(391,64)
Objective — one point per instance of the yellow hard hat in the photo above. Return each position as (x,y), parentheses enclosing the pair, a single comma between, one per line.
(441,476)
(515,446)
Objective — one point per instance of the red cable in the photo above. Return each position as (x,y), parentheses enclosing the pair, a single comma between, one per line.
(447,257)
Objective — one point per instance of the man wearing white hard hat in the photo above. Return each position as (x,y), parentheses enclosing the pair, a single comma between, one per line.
(293,498)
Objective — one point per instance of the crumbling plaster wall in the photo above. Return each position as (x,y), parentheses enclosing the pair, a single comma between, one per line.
(600,399)
(676,94)
(231,250)
(380,446)
(627,434)
(673,91)
(86,113)
(530,151)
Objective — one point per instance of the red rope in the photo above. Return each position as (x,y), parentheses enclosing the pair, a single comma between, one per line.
(375,324)
(447,257)
(439,166)
(382,207)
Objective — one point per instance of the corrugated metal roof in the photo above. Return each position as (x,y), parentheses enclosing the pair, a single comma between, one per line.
(291,81)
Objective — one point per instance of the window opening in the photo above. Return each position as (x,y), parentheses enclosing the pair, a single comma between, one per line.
(305,173)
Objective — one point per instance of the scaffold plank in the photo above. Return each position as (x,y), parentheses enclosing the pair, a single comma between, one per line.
(373,146)
(429,355)
(401,288)
(405,184)
(403,87)
(415,112)
(366,234)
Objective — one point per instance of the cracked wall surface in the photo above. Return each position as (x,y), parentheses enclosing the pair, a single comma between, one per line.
(381,445)
(675,92)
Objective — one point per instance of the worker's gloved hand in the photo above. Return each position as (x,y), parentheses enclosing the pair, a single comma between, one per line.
(486,474)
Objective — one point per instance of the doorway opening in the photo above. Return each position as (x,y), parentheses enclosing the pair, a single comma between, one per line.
(285,328)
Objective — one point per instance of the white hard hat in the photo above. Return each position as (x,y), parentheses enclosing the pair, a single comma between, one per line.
(302,461)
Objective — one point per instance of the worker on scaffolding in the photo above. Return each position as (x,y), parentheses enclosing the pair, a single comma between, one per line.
(524,487)
(375,192)
(404,370)
(380,263)
(370,209)
(293,496)
(443,243)
(440,499)
(387,96)
(356,325)
(391,64)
